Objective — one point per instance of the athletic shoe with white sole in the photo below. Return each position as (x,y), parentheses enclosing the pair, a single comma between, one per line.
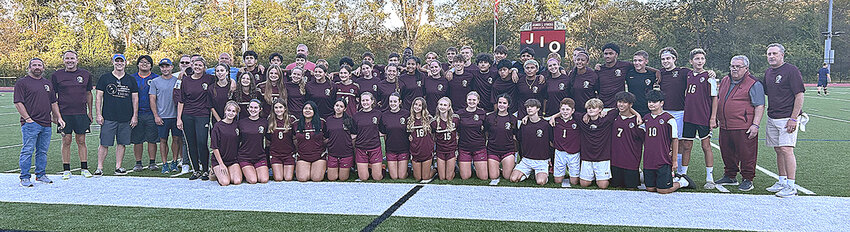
(565,184)
(205,176)
(746,185)
(708,185)
(98,172)
(174,166)
(166,168)
(152,167)
(86,173)
(727,181)
(26,183)
(688,179)
(185,169)
(44,179)
(495,181)
(66,175)
(776,187)
(195,176)
(138,168)
(787,191)
(120,171)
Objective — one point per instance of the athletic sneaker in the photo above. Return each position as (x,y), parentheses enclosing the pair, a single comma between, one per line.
(787,191)
(708,185)
(98,172)
(688,179)
(66,175)
(26,183)
(120,172)
(185,169)
(642,187)
(174,166)
(727,181)
(86,173)
(746,185)
(44,179)
(138,168)
(565,184)
(776,187)
(152,167)
(205,176)
(195,176)
(166,168)
(495,181)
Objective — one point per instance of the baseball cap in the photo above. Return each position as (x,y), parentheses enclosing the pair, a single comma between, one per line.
(165,61)
(116,56)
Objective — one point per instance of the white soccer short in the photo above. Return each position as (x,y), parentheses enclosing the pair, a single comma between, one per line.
(564,160)
(777,136)
(526,166)
(680,121)
(595,170)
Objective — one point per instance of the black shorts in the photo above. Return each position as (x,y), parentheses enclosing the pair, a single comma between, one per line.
(690,131)
(78,124)
(624,178)
(661,178)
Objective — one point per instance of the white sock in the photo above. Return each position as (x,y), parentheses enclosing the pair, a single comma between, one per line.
(782,179)
(683,182)
(679,162)
(709,174)
(684,170)
(791,183)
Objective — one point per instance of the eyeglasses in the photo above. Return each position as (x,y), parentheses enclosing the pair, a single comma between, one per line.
(184,62)
(736,67)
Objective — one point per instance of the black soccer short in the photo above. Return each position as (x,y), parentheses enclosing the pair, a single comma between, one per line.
(690,131)
(77,124)
(661,178)
(624,178)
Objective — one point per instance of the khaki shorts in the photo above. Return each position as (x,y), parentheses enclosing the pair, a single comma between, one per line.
(777,136)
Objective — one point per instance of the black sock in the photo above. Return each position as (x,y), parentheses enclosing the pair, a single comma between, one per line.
(66,167)
(153,161)
(139,163)
(84,165)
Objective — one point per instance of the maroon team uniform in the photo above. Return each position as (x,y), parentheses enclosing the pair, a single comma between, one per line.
(436,89)
(626,151)
(225,138)
(444,139)
(310,142)
(471,142)
(583,87)
(422,144)
(673,84)
(612,81)
(394,126)
(367,145)
(252,151)
(282,142)
(459,86)
(324,95)
(501,135)
(657,161)
(556,90)
(348,93)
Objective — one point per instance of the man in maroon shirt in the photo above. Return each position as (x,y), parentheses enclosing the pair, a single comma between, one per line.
(783,85)
(249,58)
(534,138)
(611,75)
(36,103)
(700,115)
(73,87)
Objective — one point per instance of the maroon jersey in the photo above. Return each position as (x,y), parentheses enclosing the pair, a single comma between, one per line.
(781,85)
(368,136)
(282,138)
(422,143)
(658,141)
(220,95)
(503,86)
(349,93)
(244,100)
(195,95)
(445,139)
(673,84)
(483,84)
(385,89)
(368,85)
(436,89)
(258,75)
(626,143)
(612,81)
(323,95)
(528,89)
(267,106)
(556,90)
(225,138)
(566,136)
(459,86)
(471,130)
(394,126)
(310,142)
(72,87)
(339,137)
(251,137)
(701,88)
(584,87)
(37,96)
(596,136)
(534,140)
(413,87)
(501,132)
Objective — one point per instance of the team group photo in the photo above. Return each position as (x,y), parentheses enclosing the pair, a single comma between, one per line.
(425,115)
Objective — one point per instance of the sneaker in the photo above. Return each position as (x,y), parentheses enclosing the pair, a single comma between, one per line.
(185,169)
(642,187)
(688,179)
(787,191)
(195,176)
(26,183)
(152,167)
(120,172)
(746,185)
(66,175)
(174,166)
(495,181)
(86,173)
(138,168)
(98,172)
(205,176)
(44,179)
(776,187)
(166,168)
(727,181)
(708,185)
(565,184)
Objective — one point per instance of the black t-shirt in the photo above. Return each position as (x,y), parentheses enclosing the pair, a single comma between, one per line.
(117,96)
(639,84)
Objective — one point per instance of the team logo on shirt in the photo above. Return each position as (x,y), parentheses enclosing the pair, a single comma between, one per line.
(617,72)
(374,87)
(676,73)
(47,88)
(261,129)
(375,120)
(778,79)
(327,92)
(150,81)
(464,82)
(632,125)
(490,80)
(80,79)
(593,126)
(440,87)
(237,131)
(204,85)
(647,81)
(701,79)
(574,126)
(257,77)
(586,84)
(661,121)
(475,117)
(401,120)
(534,89)
(419,83)
(508,126)
(351,90)
(539,133)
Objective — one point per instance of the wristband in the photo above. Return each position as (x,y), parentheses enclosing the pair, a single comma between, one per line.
(793,119)
(757,126)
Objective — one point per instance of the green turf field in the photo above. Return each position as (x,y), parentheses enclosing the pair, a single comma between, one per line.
(820,157)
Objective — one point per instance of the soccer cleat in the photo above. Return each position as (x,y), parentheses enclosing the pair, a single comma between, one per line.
(746,185)
(787,191)
(727,181)
(26,183)
(66,175)
(195,176)
(708,185)
(495,181)
(152,167)
(565,184)
(138,168)
(776,187)
(44,180)
(98,172)
(205,176)
(120,171)
(86,173)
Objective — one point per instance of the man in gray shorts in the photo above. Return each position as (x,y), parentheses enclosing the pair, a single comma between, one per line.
(117,102)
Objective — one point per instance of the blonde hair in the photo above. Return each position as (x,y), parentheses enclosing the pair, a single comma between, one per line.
(449,113)
(233,104)
(281,89)
(303,82)
(426,117)
(371,96)
(594,103)
(273,116)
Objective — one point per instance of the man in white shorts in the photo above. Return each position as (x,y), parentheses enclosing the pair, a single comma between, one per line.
(535,155)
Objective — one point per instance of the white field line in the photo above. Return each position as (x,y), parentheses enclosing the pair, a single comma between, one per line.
(771,174)
(828,98)
(52,140)
(721,188)
(830,118)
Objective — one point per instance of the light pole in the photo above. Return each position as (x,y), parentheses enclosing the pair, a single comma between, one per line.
(828,53)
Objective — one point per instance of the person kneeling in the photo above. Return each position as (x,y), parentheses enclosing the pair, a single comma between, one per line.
(533,134)
(660,146)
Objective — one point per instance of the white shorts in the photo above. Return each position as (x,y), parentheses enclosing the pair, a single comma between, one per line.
(527,165)
(600,170)
(777,136)
(680,121)
(564,160)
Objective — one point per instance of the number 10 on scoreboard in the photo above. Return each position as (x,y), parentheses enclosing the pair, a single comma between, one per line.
(543,40)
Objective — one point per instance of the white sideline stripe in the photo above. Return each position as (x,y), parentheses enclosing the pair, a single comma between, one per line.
(10,125)
(721,188)
(771,174)
(52,140)
(830,118)
(828,98)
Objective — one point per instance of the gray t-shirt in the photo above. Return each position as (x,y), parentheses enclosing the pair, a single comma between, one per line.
(164,90)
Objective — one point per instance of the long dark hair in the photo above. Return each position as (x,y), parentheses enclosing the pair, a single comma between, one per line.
(316,122)
(252,92)
(347,122)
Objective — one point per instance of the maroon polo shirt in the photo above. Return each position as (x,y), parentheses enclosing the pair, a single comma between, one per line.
(37,96)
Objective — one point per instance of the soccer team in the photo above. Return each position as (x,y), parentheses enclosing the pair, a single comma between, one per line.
(304,121)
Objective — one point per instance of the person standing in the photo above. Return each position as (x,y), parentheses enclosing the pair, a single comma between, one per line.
(823,79)
(117,111)
(146,130)
(165,115)
(783,85)
(740,109)
(36,103)
(194,104)
(74,84)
